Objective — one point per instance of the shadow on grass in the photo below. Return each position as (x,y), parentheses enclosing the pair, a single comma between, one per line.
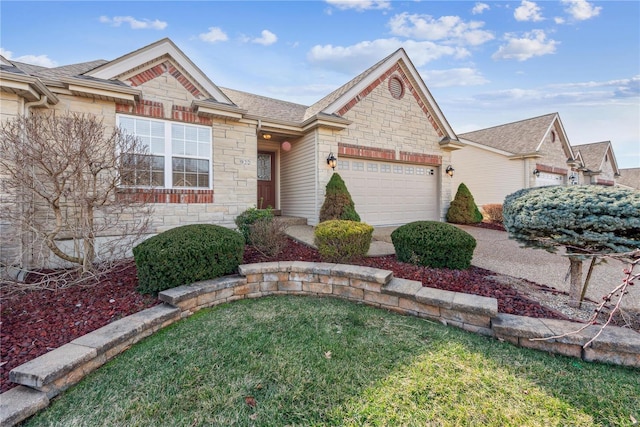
(317,361)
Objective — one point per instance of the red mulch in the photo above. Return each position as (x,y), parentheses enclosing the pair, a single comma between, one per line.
(35,322)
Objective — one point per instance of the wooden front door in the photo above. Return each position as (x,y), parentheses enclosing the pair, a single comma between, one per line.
(266,180)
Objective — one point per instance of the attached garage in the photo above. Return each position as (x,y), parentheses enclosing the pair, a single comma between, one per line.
(387,193)
(545,178)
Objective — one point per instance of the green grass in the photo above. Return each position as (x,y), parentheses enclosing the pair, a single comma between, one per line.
(313,361)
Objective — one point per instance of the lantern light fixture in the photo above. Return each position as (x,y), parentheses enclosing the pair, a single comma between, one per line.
(450,170)
(536,173)
(332,161)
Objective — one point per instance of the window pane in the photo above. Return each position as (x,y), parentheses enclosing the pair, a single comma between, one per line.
(177,147)
(190,165)
(157,130)
(143,127)
(204,149)
(127,124)
(177,131)
(191,133)
(204,134)
(203,166)
(157,146)
(191,148)
(203,180)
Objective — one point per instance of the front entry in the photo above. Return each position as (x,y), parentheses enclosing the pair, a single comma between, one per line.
(266,180)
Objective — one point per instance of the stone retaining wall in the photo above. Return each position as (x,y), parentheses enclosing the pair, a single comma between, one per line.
(48,375)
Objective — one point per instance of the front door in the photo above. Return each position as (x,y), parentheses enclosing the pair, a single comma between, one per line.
(266,180)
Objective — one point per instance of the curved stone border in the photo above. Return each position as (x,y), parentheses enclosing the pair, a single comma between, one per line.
(48,375)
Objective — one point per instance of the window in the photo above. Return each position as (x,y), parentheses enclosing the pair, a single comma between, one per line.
(385,168)
(372,167)
(179,154)
(357,166)
(409,170)
(343,165)
(397,169)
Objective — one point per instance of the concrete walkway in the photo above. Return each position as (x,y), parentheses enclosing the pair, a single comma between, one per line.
(496,252)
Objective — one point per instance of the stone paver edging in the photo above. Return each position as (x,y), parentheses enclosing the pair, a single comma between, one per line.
(48,375)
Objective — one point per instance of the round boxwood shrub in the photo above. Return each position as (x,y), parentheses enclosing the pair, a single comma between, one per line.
(433,244)
(185,255)
(342,240)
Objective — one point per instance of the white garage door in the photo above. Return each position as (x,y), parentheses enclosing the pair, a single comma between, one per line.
(390,193)
(545,179)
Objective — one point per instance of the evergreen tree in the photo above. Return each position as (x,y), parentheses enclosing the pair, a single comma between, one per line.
(338,203)
(463,209)
(585,219)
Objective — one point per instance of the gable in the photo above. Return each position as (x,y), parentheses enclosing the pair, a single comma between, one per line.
(398,64)
(554,147)
(153,61)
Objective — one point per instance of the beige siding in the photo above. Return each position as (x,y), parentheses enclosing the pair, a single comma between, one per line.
(298,179)
(489,176)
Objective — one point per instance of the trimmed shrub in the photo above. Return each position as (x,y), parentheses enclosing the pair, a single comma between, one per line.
(588,218)
(185,255)
(342,240)
(433,244)
(493,213)
(268,236)
(338,203)
(250,216)
(463,209)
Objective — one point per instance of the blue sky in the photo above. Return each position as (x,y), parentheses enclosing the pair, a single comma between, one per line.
(486,62)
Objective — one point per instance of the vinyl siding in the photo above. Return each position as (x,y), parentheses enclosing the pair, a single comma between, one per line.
(298,179)
(489,176)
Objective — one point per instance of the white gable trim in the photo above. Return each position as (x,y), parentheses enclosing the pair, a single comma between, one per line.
(563,138)
(161,48)
(399,55)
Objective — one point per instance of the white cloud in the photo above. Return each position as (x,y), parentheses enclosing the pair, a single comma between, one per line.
(558,20)
(135,24)
(528,11)
(479,8)
(453,77)
(41,60)
(267,38)
(532,44)
(581,10)
(360,5)
(355,58)
(446,28)
(214,35)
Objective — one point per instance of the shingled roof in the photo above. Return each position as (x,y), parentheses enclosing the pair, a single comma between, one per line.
(262,106)
(629,177)
(593,155)
(521,137)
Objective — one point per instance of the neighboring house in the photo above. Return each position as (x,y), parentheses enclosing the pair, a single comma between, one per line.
(599,166)
(238,150)
(629,177)
(503,159)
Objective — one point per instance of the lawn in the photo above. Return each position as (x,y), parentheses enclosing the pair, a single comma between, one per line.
(290,360)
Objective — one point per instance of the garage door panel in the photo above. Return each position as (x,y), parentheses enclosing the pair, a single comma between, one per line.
(390,193)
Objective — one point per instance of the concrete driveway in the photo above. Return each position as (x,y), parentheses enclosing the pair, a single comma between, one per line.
(496,252)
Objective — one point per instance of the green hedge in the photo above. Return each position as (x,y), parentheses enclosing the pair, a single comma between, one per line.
(342,240)
(185,255)
(433,244)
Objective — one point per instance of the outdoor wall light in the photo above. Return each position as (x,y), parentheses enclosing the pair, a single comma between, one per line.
(266,136)
(449,170)
(536,173)
(573,179)
(332,161)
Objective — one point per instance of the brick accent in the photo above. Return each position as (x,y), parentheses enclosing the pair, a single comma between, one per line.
(143,108)
(408,88)
(186,114)
(366,152)
(426,159)
(374,153)
(551,169)
(160,69)
(605,182)
(161,195)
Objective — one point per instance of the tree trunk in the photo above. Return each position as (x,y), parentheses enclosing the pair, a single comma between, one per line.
(575,287)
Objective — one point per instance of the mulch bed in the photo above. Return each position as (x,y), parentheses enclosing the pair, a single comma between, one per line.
(35,322)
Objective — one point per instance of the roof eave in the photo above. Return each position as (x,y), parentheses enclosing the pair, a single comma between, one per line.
(520,156)
(29,87)
(218,110)
(330,121)
(448,144)
(100,90)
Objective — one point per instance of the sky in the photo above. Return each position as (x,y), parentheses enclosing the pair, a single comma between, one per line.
(486,63)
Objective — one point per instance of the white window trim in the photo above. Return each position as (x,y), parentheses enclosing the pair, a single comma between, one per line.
(168,155)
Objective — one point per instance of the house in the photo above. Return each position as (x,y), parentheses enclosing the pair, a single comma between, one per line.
(629,177)
(235,150)
(500,160)
(599,166)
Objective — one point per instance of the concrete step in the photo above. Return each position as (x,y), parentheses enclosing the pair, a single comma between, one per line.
(291,220)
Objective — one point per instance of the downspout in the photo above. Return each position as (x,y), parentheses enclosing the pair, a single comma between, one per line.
(40,102)
(43,101)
